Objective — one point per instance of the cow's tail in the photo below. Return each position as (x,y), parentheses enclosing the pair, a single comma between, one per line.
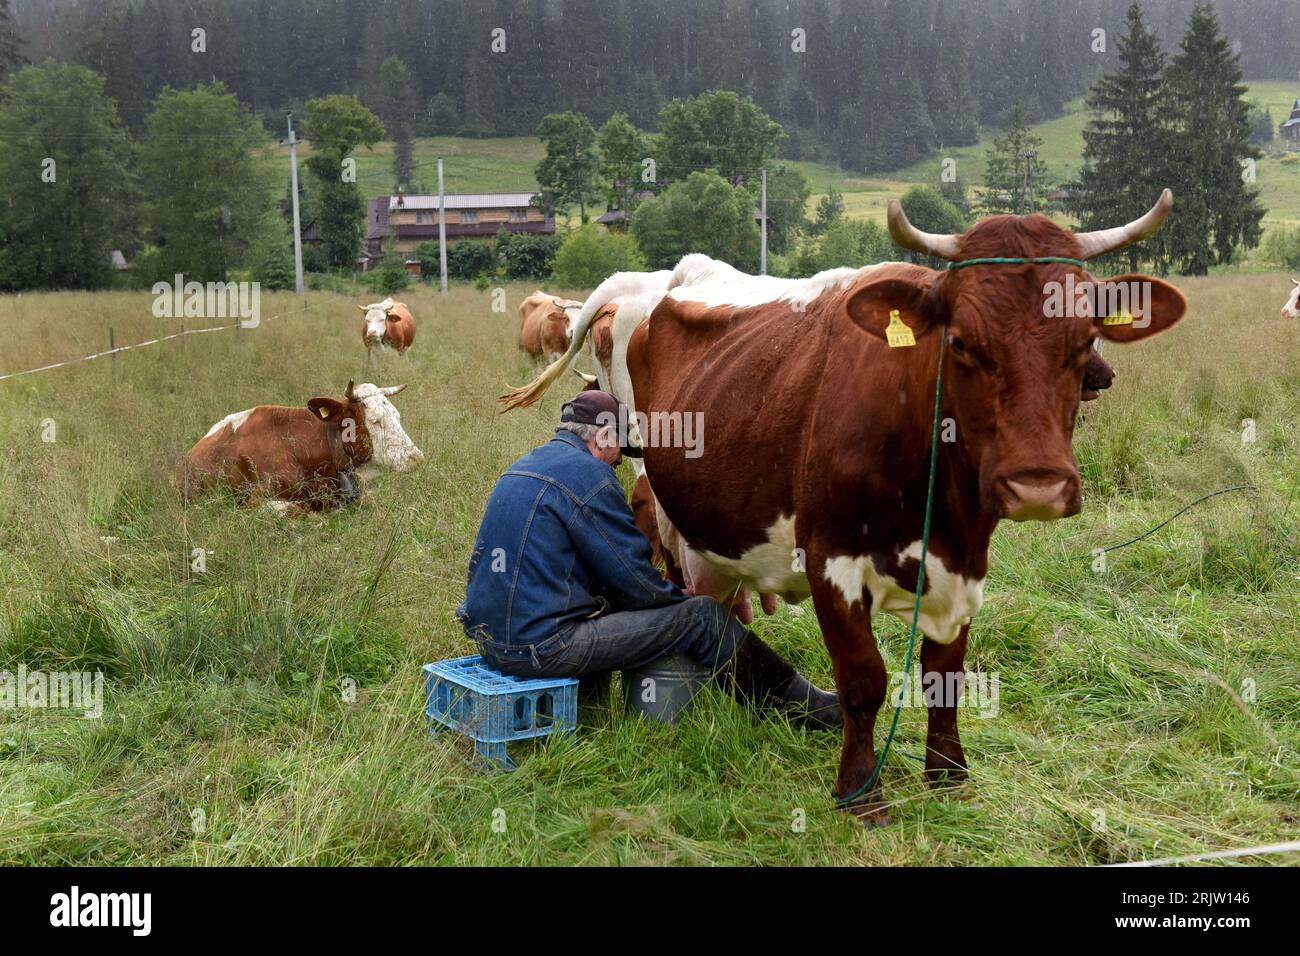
(526,395)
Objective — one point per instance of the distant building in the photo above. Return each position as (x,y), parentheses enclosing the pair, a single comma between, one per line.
(401,223)
(310,231)
(1291,128)
(615,220)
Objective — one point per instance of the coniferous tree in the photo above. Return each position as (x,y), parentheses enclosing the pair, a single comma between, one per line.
(1126,149)
(10,55)
(395,104)
(1218,207)
(1015,178)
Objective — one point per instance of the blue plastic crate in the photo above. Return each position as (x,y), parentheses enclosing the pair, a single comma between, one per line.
(468,696)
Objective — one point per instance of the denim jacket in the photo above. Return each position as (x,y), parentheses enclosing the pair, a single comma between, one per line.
(557,544)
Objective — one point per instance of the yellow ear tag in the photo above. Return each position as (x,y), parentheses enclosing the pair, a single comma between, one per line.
(324,412)
(897,332)
(1124,317)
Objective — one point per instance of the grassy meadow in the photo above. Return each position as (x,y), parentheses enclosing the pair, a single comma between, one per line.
(1148,711)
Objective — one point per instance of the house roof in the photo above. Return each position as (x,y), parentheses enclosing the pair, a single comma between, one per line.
(464,201)
(612,215)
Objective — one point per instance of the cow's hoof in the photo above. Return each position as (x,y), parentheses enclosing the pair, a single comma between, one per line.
(869,809)
(872,816)
(945,777)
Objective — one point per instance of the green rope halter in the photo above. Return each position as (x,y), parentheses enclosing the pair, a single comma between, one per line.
(1016,261)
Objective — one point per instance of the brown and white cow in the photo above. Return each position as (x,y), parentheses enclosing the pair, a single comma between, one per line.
(301,458)
(387,324)
(544,322)
(1292,308)
(812,481)
(597,318)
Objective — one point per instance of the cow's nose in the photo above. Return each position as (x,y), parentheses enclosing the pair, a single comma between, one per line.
(1039,495)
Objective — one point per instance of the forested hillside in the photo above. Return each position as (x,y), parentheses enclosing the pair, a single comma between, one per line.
(870,84)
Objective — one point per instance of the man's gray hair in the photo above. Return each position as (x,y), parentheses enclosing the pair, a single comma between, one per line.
(584,431)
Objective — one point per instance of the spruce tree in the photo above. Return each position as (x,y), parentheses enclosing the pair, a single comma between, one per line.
(1126,150)
(1015,178)
(10,57)
(1217,209)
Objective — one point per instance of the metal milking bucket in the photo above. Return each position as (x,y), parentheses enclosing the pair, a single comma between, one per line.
(662,690)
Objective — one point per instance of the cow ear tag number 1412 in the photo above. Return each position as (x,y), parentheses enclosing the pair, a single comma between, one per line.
(897,333)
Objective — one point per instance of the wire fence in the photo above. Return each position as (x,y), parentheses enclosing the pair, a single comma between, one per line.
(139,345)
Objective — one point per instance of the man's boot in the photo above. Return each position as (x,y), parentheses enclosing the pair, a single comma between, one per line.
(763,677)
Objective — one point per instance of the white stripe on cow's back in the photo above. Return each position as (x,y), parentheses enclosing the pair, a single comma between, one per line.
(950,601)
(759,290)
(234,421)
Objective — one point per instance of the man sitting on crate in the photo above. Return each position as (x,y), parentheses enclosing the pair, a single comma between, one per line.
(561,581)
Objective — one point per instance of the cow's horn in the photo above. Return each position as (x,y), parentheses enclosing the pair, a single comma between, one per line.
(909,237)
(348,393)
(1108,240)
(363,308)
(589,379)
(392,389)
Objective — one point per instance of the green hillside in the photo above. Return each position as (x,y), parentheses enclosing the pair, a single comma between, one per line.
(506,164)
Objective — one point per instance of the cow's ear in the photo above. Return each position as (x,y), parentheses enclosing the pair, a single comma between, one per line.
(327,409)
(1132,307)
(916,301)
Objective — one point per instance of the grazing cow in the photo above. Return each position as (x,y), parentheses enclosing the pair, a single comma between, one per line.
(813,478)
(544,322)
(1292,308)
(387,324)
(297,459)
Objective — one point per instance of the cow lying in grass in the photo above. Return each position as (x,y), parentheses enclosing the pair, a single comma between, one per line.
(296,459)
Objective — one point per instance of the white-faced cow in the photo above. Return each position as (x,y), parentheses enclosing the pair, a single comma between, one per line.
(814,466)
(295,459)
(387,324)
(1292,308)
(544,322)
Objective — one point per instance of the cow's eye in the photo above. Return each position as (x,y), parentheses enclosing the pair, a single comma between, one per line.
(958,345)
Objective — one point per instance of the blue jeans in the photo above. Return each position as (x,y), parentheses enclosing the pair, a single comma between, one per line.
(698,627)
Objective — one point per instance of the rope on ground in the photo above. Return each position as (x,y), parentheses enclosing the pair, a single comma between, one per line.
(1269,848)
(140,345)
(1221,491)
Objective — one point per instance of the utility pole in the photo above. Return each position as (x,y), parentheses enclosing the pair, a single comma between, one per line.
(442,229)
(297,221)
(762,248)
(1025,196)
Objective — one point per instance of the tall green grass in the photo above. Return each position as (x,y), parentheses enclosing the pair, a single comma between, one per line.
(1151,710)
